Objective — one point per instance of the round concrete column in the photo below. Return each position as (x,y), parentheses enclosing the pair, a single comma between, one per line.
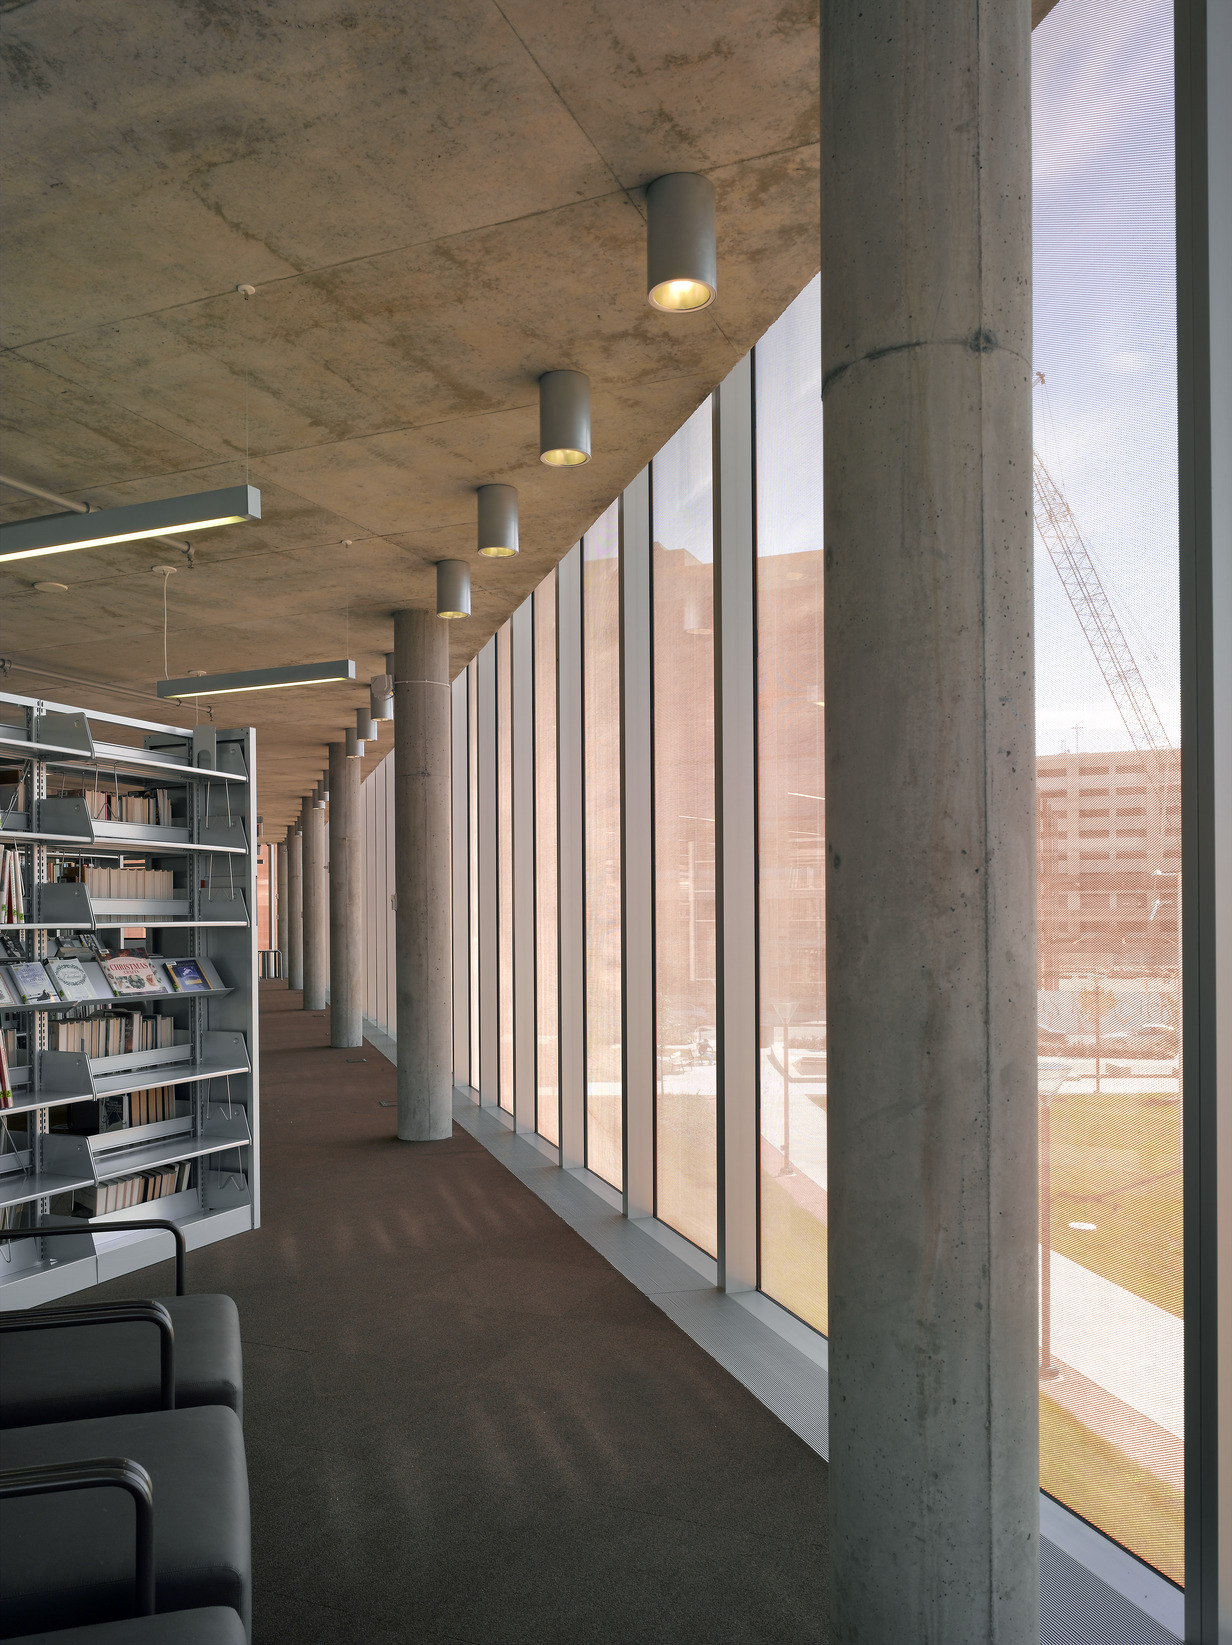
(316,909)
(295,906)
(346,901)
(930,821)
(281,899)
(421,869)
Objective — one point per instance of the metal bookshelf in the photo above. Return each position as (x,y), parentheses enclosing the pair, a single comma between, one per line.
(58,1139)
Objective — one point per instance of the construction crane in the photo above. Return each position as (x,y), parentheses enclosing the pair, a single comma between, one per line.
(1055,522)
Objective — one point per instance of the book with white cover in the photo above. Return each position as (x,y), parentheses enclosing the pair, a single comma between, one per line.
(70,978)
(33,983)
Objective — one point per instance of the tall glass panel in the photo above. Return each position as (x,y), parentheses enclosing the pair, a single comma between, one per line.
(1108,692)
(547,1048)
(472,855)
(791,811)
(601,734)
(504,855)
(682,594)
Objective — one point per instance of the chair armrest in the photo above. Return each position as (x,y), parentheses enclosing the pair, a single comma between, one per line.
(50,1477)
(84,1227)
(106,1313)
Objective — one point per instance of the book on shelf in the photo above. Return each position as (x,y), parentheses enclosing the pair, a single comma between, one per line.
(130,884)
(187,977)
(70,978)
(7,995)
(33,983)
(130,974)
(138,1189)
(114,1033)
(150,1106)
(150,806)
(6,1078)
(12,886)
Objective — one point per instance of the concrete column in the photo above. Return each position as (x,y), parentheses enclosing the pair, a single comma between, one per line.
(283,891)
(295,906)
(930,753)
(421,871)
(316,909)
(346,900)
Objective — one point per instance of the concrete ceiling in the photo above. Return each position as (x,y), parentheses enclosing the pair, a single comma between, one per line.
(436,203)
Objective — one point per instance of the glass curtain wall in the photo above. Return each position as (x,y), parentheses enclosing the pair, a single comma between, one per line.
(1108,692)
(504,856)
(1109,809)
(682,616)
(791,811)
(601,731)
(472,854)
(547,1047)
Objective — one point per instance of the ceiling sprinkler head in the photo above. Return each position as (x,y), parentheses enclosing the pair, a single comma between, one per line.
(247,291)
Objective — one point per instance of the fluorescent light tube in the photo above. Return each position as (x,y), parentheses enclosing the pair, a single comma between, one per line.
(257,679)
(59,533)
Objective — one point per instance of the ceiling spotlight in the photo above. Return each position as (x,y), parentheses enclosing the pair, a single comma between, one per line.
(564,418)
(498,521)
(52,588)
(381,697)
(59,533)
(681,265)
(257,679)
(453,588)
(364,732)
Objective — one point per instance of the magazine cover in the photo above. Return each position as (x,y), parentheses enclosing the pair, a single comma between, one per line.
(70,978)
(33,984)
(128,974)
(188,977)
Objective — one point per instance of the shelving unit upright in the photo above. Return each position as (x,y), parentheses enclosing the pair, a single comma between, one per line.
(59,1140)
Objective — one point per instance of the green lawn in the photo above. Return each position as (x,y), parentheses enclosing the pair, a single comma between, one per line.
(1099,1482)
(794,1254)
(1116,1163)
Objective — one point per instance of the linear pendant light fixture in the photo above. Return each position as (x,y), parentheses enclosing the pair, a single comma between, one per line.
(453,588)
(61,533)
(498,521)
(257,679)
(564,418)
(681,262)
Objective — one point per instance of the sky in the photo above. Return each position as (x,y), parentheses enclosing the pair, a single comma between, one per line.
(1105,340)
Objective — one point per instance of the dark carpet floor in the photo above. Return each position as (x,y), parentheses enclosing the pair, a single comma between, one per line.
(462,1424)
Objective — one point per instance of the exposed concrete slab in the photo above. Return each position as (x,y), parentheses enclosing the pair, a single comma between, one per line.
(435,205)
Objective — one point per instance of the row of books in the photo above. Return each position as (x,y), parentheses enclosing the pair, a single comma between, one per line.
(152,806)
(111,1033)
(38,982)
(135,884)
(156,1102)
(12,887)
(135,1190)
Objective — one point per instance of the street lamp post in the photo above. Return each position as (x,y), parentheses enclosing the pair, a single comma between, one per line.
(1052,1075)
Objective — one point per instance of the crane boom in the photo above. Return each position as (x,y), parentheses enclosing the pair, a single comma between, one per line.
(1055,523)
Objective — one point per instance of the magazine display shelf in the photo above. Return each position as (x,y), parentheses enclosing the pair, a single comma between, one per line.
(205,840)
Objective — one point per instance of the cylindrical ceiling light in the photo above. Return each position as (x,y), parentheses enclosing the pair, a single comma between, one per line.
(564,418)
(498,521)
(681,264)
(318,796)
(453,588)
(354,747)
(381,697)
(365,726)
